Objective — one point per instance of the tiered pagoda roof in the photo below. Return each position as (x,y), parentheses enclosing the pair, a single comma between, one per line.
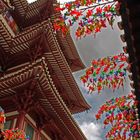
(20,50)
(130,11)
(36,66)
(29,14)
(22,45)
(35,82)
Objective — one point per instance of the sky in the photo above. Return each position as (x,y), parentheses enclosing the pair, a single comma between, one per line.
(105,44)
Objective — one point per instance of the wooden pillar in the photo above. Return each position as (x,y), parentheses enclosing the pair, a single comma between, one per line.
(21,120)
(38,135)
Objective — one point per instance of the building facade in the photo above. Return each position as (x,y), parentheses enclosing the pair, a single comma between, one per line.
(37,89)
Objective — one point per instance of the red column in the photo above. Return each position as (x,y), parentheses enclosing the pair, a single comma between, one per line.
(21,120)
(37,135)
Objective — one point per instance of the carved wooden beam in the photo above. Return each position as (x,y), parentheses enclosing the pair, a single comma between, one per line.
(8,3)
(3,60)
(25,101)
(47,10)
(38,48)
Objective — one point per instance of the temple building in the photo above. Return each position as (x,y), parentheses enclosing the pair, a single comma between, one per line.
(37,89)
(130,10)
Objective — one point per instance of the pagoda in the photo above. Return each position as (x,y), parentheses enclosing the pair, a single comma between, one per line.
(37,89)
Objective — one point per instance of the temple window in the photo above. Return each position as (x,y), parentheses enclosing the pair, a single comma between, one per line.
(11,22)
(8,124)
(6,18)
(29,130)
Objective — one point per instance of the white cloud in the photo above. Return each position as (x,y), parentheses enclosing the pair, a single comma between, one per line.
(91,131)
(30,1)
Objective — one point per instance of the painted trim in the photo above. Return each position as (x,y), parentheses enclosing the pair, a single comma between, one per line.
(30,120)
(45,135)
(14,123)
(13,113)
